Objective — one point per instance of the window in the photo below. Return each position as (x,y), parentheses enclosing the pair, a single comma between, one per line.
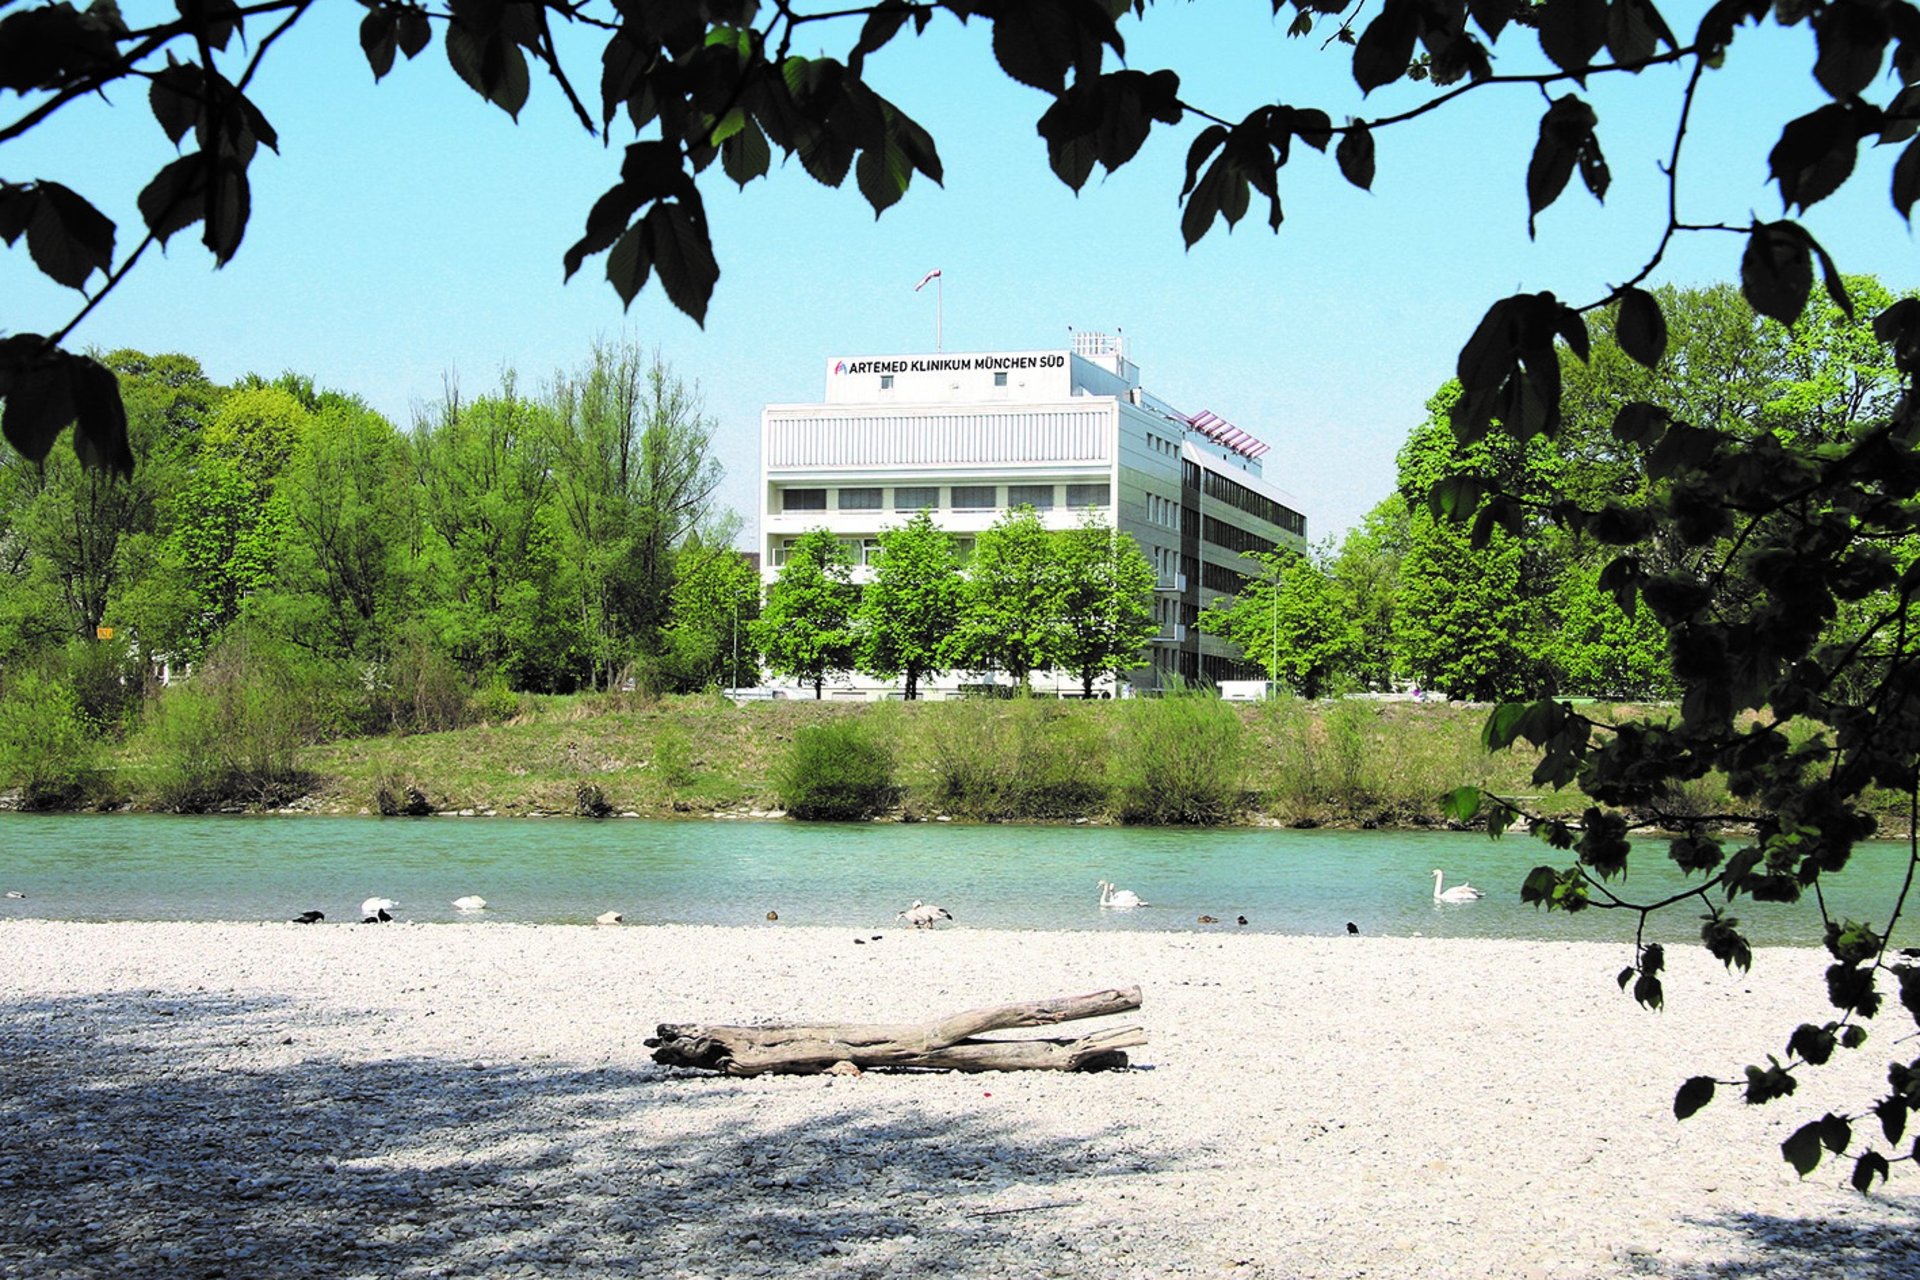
(782,549)
(886,382)
(859,499)
(917,498)
(1088,495)
(1037,496)
(803,500)
(1000,379)
(869,551)
(973,497)
(963,549)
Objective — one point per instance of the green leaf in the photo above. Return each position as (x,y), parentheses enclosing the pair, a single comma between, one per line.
(746,155)
(1696,1093)
(1461,804)
(1641,329)
(1802,1149)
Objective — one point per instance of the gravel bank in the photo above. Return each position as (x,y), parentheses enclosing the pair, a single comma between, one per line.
(465,1100)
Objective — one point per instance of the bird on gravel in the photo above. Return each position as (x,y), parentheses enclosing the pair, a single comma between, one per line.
(377,908)
(608,917)
(1352,927)
(310,917)
(923,915)
(378,917)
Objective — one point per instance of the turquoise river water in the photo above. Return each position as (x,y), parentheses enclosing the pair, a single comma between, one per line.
(141,867)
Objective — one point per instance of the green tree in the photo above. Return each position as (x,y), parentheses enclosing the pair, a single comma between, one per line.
(344,564)
(1291,621)
(1106,623)
(1366,575)
(1011,603)
(709,634)
(806,627)
(911,605)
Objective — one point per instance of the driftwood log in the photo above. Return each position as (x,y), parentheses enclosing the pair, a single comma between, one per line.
(947,1044)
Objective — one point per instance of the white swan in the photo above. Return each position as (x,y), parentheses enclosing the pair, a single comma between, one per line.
(1120,899)
(608,917)
(1461,892)
(923,915)
(472,902)
(374,906)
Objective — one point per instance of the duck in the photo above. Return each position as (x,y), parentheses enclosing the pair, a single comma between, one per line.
(310,917)
(1239,919)
(1207,919)
(1462,892)
(773,915)
(1120,899)
(472,902)
(923,915)
(608,917)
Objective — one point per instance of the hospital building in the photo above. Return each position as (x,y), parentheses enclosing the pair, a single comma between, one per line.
(1068,432)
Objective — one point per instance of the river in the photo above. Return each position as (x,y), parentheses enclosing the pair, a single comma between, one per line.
(147,867)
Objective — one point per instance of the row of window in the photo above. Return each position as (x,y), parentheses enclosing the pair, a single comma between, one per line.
(960,497)
(1217,488)
(999,380)
(865,551)
(1163,511)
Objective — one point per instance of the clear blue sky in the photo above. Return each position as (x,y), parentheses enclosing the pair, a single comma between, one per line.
(408,229)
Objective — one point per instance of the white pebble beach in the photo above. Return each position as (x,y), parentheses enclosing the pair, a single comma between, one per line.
(477,1100)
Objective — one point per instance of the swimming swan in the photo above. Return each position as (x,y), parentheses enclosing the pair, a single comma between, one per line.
(472,902)
(1462,892)
(1120,899)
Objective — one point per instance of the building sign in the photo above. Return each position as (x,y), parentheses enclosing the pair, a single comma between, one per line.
(952,364)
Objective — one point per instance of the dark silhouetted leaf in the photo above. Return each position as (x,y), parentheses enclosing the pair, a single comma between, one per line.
(68,238)
(176,198)
(37,386)
(1385,49)
(1696,1093)
(1776,270)
(175,96)
(1852,38)
(1815,155)
(380,40)
(229,203)
(100,418)
(1641,329)
(1906,179)
(1572,31)
(1865,1168)
(683,254)
(1635,31)
(491,64)
(1355,155)
(1802,1149)
(1815,1044)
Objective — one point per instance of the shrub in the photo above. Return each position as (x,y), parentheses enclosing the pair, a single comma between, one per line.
(494,702)
(106,679)
(47,746)
(836,772)
(422,689)
(1179,761)
(229,735)
(1025,758)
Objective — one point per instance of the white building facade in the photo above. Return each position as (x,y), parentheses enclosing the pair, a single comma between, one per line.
(1070,433)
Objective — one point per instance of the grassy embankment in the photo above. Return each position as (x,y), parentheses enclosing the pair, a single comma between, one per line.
(1349,763)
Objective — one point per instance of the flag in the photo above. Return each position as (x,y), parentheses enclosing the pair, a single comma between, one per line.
(931,275)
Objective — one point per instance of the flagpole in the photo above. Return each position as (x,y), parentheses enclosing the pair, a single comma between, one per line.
(939,306)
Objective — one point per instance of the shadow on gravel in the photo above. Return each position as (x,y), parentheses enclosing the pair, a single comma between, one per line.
(135,1139)
(1814,1248)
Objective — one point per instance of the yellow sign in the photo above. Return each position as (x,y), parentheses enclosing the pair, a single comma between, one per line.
(103,633)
